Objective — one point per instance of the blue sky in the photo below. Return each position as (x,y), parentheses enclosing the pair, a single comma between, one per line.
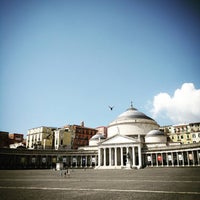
(65,61)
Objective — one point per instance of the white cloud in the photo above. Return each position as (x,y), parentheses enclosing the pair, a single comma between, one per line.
(182,107)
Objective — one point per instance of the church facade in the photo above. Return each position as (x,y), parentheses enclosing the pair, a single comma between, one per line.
(135,141)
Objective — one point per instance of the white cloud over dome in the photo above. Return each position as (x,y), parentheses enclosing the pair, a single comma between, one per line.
(182,107)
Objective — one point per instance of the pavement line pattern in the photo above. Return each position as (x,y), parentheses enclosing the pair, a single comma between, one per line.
(92,180)
(100,190)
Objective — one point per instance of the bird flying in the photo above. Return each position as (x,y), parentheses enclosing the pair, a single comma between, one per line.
(111,107)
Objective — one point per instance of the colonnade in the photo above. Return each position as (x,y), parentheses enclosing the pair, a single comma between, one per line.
(81,161)
(119,156)
(12,161)
(172,158)
(108,156)
(76,161)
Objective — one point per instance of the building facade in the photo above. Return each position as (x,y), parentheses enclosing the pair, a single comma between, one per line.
(40,138)
(67,137)
(183,133)
(63,138)
(133,141)
(80,135)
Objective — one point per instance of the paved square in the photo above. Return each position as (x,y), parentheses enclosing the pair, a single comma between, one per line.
(149,183)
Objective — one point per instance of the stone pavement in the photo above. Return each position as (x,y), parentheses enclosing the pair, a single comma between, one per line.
(148,183)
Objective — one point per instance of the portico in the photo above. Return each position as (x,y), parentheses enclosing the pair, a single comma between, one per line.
(119,152)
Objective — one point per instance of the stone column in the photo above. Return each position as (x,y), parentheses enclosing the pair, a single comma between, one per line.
(110,157)
(104,157)
(151,159)
(91,161)
(76,161)
(81,157)
(95,164)
(86,161)
(140,156)
(99,157)
(71,161)
(188,159)
(172,158)
(167,160)
(156,160)
(115,156)
(182,156)
(127,152)
(133,156)
(193,159)
(127,158)
(198,157)
(177,158)
(162,158)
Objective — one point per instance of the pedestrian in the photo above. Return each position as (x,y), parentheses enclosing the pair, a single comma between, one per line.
(61,172)
(68,173)
(65,173)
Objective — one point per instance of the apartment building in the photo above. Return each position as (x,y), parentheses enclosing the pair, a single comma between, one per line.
(67,137)
(40,138)
(183,133)
(80,135)
(63,138)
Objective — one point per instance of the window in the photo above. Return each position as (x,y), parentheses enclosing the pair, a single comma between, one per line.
(181,136)
(194,135)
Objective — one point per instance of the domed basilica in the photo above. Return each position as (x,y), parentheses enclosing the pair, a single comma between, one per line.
(135,141)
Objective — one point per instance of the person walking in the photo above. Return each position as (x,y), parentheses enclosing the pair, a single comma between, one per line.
(68,172)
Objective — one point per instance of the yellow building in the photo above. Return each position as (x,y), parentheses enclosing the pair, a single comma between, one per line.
(63,138)
(183,133)
(40,138)
(183,138)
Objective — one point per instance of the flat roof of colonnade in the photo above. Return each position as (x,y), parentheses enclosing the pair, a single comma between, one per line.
(181,147)
(46,152)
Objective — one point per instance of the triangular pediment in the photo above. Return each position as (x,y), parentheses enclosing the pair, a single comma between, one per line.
(119,139)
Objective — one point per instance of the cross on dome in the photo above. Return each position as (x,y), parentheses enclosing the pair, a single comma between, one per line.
(131,104)
(131,108)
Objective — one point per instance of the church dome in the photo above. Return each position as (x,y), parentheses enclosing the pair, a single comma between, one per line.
(155,133)
(94,140)
(155,136)
(98,136)
(132,113)
(132,123)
